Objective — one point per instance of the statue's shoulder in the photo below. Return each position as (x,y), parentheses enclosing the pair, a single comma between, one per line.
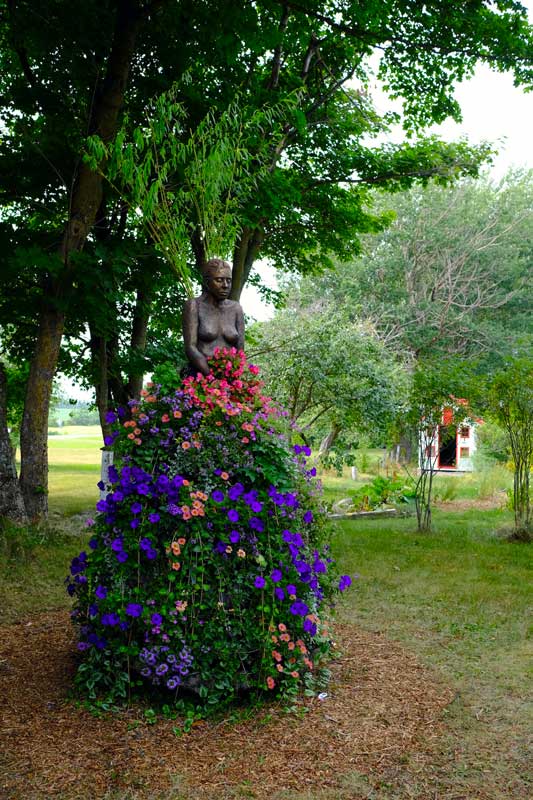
(234,304)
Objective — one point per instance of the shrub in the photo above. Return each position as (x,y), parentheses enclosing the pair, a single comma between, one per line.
(383,491)
(208,569)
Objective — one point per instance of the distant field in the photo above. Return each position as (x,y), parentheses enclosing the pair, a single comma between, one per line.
(74,459)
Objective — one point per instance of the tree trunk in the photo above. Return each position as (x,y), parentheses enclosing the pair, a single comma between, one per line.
(139,330)
(34,430)
(328,441)
(246,252)
(11,500)
(84,204)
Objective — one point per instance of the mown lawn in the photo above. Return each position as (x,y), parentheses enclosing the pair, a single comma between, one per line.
(462,599)
(74,463)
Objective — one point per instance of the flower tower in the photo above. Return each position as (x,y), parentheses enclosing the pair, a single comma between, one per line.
(208,569)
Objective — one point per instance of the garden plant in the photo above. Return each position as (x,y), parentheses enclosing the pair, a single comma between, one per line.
(208,570)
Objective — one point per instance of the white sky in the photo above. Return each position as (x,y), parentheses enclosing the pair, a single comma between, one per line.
(493,110)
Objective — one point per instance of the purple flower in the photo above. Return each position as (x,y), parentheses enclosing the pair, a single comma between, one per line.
(291,588)
(217,496)
(161,669)
(172,683)
(101,504)
(259,582)
(286,536)
(279,593)
(101,592)
(136,508)
(145,543)
(256,507)
(117,544)
(233,516)
(142,488)
(122,556)
(117,496)
(344,582)
(234,537)
(235,491)
(155,517)
(110,619)
(276,575)
(110,417)
(93,610)
(299,608)
(151,553)
(134,523)
(308,517)
(156,619)
(83,646)
(134,609)
(256,524)
(309,627)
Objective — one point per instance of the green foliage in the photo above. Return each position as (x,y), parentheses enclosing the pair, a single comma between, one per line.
(383,491)
(510,402)
(328,368)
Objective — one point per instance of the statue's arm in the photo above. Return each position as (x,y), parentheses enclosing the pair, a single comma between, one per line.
(190,337)
(240,326)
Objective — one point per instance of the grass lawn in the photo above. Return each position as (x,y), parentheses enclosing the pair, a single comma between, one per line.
(74,468)
(462,599)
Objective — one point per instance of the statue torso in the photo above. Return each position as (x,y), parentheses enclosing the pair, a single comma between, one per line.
(217,325)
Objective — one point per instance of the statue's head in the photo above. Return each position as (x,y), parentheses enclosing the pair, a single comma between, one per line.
(217,278)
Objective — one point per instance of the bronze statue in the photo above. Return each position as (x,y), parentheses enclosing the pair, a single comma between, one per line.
(211,320)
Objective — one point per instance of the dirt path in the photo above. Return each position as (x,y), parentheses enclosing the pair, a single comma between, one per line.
(383,709)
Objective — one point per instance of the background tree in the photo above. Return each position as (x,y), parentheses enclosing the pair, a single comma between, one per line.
(451,275)
(510,403)
(330,372)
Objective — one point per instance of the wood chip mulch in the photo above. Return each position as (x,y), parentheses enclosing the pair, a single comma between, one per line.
(382,707)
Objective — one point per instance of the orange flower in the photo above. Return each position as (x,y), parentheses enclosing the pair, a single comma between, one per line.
(224,476)
(197,445)
(177,414)
(291,645)
(165,418)
(218,422)
(186,482)
(245,440)
(137,441)
(285,637)
(279,667)
(271,682)
(176,565)
(295,674)
(241,553)
(229,549)
(276,656)
(181,541)
(282,627)
(131,436)
(185,445)
(274,639)
(137,431)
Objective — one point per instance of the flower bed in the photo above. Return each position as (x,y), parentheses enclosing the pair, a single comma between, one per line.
(208,569)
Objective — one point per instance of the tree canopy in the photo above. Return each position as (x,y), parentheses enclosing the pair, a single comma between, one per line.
(71,70)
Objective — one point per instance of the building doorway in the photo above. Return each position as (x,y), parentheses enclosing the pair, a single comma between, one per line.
(447,447)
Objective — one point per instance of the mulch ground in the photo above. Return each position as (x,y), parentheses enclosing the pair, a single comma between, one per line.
(382,709)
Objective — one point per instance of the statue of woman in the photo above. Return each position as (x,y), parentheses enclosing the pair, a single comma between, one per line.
(211,320)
